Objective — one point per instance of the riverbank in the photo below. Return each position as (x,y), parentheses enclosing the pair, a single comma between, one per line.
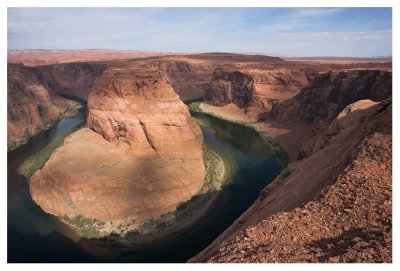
(71,110)
(39,159)
(233,114)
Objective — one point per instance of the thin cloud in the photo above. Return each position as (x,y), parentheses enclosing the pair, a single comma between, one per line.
(314,12)
(259,30)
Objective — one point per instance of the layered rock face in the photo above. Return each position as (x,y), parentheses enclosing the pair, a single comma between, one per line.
(255,90)
(30,105)
(141,109)
(140,157)
(230,87)
(71,80)
(189,80)
(330,93)
(340,199)
(279,84)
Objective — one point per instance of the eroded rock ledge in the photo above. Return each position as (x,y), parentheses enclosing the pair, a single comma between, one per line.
(140,157)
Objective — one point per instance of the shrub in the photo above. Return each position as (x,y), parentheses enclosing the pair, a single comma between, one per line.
(286,172)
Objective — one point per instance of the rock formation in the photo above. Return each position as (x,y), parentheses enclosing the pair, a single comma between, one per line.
(230,87)
(31,106)
(255,90)
(295,120)
(330,93)
(340,200)
(140,157)
(71,80)
(189,79)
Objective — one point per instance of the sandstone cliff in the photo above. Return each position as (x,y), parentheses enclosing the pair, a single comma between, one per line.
(330,93)
(255,90)
(140,157)
(189,79)
(30,105)
(230,87)
(297,119)
(71,80)
(340,200)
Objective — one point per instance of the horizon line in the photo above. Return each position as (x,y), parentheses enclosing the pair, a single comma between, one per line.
(202,52)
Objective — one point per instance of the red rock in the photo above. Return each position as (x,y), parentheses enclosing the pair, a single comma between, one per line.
(142,158)
(31,105)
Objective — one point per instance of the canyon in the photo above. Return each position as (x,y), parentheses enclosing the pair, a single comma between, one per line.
(141,155)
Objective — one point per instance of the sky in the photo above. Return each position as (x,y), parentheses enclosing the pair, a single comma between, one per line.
(357,32)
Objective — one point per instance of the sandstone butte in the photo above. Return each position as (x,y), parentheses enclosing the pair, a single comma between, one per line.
(141,155)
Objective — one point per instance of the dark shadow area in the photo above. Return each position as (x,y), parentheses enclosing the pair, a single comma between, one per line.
(355,240)
(36,248)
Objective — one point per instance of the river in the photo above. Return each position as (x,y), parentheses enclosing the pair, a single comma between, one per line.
(34,236)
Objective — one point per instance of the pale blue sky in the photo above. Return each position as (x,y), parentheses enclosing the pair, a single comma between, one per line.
(287,31)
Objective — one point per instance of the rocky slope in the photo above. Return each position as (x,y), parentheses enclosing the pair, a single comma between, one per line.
(31,105)
(140,157)
(71,80)
(340,200)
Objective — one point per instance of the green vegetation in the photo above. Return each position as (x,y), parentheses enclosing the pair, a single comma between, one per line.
(195,106)
(88,226)
(39,159)
(286,172)
(192,100)
(215,167)
(275,149)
